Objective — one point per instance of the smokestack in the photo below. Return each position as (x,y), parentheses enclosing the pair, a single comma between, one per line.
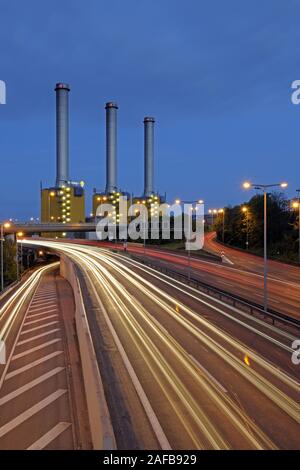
(111,147)
(149,156)
(62,133)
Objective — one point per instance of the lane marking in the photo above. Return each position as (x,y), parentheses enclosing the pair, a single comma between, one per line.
(40,319)
(47,438)
(44,296)
(37,348)
(42,313)
(205,371)
(40,309)
(39,327)
(31,412)
(45,301)
(37,336)
(19,391)
(155,424)
(32,364)
(42,304)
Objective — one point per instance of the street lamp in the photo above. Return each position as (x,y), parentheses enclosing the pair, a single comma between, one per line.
(222,211)
(5,225)
(264,188)
(198,201)
(246,212)
(296,205)
(20,235)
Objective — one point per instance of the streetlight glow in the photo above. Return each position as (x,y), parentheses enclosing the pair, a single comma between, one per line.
(264,188)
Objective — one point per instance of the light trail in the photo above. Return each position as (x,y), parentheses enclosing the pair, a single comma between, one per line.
(9,313)
(151,338)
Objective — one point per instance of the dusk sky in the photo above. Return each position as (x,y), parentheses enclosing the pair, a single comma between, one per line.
(216,76)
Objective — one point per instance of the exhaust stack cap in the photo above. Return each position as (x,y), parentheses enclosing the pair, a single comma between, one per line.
(149,119)
(63,86)
(111,104)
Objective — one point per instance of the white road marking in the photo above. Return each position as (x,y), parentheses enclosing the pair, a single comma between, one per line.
(39,327)
(47,438)
(40,309)
(19,391)
(31,350)
(32,364)
(42,313)
(31,412)
(39,305)
(37,336)
(44,296)
(205,371)
(40,319)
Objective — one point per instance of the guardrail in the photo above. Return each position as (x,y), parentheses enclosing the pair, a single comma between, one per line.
(99,418)
(234,300)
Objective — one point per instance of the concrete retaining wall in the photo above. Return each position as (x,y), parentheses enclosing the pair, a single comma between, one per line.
(100,424)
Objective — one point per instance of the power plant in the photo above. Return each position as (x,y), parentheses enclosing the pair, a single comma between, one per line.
(65,201)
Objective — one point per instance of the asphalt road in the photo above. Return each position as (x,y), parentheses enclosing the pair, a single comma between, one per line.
(201,374)
(243,276)
(36,408)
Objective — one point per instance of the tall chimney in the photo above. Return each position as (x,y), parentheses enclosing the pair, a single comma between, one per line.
(149,156)
(111,147)
(62,133)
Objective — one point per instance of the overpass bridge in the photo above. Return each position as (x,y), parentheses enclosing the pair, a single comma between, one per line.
(34,228)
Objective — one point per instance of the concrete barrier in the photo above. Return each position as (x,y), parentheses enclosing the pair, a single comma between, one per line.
(100,423)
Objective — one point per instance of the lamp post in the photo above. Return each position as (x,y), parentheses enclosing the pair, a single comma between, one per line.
(212,212)
(296,205)
(5,225)
(264,188)
(198,201)
(222,211)
(246,212)
(19,234)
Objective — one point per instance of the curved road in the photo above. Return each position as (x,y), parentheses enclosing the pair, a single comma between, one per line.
(205,375)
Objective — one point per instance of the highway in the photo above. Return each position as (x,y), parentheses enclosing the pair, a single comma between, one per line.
(244,277)
(38,404)
(183,370)
(252,263)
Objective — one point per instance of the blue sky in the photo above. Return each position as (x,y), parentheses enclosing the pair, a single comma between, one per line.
(216,75)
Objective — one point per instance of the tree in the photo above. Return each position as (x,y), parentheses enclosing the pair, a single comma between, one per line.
(281,226)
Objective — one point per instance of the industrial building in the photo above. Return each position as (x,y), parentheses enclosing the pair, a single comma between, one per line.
(112,193)
(64,202)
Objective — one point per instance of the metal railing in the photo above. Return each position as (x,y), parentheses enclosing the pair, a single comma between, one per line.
(232,299)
